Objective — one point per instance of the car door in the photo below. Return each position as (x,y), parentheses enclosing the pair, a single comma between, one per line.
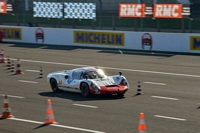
(77,78)
(65,85)
(70,81)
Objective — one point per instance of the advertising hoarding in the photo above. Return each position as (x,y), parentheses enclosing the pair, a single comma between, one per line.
(48,9)
(132,10)
(11,33)
(100,38)
(80,10)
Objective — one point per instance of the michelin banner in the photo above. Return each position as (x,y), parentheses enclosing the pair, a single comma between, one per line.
(100,38)
(11,33)
(195,42)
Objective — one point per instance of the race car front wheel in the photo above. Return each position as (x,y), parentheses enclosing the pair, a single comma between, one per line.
(54,85)
(85,90)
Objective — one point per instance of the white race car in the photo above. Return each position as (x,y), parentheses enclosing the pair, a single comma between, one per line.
(88,81)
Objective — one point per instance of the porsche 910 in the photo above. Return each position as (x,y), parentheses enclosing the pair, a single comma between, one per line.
(88,81)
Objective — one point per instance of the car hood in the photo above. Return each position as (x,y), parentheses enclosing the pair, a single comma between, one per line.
(104,81)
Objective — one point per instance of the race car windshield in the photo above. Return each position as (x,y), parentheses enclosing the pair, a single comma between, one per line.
(95,74)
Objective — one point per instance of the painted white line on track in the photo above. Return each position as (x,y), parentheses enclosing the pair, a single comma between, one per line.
(89,106)
(12,96)
(56,125)
(25,81)
(32,70)
(154,83)
(173,118)
(169,98)
(132,70)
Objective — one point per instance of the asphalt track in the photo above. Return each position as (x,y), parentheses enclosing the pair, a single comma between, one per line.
(170,83)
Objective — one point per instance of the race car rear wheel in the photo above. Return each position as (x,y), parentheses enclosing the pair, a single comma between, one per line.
(85,90)
(54,85)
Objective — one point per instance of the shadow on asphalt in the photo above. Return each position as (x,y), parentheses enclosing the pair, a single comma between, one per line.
(79,97)
(101,50)
(138,52)
(44,46)
(43,125)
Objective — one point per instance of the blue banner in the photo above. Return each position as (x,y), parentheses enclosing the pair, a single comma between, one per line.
(48,9)
(80,10)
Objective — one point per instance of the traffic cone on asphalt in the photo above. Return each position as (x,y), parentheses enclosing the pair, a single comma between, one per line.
(2,60)
(6,111)
(18,67)
(41,73)
(142,126)
(12,67)
(49,114)
(8,62)
(139,90)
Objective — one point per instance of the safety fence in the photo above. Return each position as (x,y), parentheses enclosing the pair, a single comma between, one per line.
(125,17)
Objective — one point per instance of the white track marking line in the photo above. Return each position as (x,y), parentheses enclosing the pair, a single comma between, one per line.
(27,81)
(169,98)
(154,83)
(12,96)
(76,128)
(89,106)
(30,121)
(173,118)
(32,70)
(143,71)
(56,125)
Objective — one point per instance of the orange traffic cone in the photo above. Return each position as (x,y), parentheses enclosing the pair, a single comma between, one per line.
(2,60)
(6,111)
(18,67)
(142,126)
(49,114)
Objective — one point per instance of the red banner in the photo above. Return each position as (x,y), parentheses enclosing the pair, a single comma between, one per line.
(3,7)
(132,10)
(167,10)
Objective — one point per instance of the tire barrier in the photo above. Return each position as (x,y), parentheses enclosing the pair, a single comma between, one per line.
(41,73)
(8,63)
(12,66)
(139,90)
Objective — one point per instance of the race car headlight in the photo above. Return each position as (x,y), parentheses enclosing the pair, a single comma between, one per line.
(95,87)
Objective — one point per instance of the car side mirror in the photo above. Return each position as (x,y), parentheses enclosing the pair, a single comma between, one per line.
(67,76)
(120,73)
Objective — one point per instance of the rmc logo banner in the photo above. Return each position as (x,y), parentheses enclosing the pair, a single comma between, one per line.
(154,11)
(3,7)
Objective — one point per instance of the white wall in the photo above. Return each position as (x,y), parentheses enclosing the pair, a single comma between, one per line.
(170,42)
